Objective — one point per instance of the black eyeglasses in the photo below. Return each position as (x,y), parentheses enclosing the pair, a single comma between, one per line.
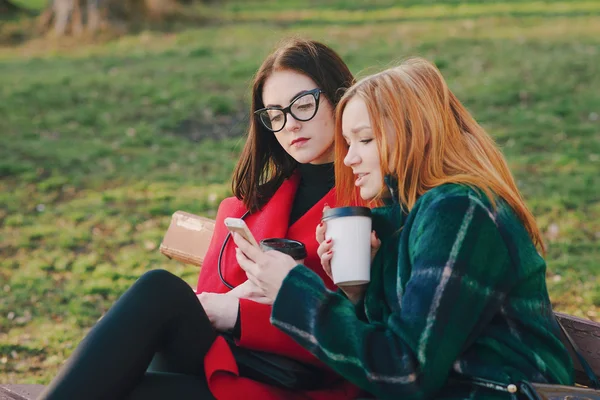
(303,108)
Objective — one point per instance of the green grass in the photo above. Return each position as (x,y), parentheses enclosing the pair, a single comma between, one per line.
(102,142)
(31,4)
(332,13)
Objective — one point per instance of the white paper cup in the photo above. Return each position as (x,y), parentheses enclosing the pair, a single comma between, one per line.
(350,229)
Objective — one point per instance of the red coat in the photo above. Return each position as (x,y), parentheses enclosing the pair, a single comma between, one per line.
(257,331)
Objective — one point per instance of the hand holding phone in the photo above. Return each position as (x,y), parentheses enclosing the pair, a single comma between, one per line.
(238,225)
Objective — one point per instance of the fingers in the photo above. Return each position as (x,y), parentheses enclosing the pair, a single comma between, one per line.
(250,251)
(326,262)
(322,227)
(375,242)
(320,232)
(245,263)
(324,247)
(250,267)
(325,253)
(255,282)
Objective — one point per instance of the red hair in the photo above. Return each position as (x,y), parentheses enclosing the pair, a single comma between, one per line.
(435,140)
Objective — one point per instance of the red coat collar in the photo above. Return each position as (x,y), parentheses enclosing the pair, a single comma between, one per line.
(271,221)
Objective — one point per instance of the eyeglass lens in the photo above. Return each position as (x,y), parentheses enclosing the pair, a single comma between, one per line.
(303,109)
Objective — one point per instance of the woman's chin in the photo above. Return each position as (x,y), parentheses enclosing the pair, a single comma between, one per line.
(311,157)
(302,157)
(367,195)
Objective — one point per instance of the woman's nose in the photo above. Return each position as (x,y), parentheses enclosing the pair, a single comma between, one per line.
(291,123)
(351,158)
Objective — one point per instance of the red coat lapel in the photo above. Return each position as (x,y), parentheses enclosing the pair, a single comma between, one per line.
(270,221)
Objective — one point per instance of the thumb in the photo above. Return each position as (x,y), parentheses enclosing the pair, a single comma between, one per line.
(375,245)
(375,242)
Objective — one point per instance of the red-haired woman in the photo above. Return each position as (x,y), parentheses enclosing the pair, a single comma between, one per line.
(457,298)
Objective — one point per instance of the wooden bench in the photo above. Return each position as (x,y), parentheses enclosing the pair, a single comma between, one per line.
(586,335)
(20,392)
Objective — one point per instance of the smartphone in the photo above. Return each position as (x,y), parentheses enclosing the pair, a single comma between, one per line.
(238,225)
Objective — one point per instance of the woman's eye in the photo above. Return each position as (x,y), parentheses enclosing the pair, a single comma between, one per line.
(365,141)
(276,118)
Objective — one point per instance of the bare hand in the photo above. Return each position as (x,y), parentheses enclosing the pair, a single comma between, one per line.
(321,228)
(221,309)
(325,253)
(266,270)
(248,290)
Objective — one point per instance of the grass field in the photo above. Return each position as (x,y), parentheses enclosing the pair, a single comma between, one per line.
(102,142)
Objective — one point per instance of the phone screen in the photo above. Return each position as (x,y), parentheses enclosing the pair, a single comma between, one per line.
(239,226)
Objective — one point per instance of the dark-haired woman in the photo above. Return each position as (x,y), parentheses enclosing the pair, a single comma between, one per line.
(282,182)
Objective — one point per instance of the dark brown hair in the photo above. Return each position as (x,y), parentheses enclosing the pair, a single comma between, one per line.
(264,164)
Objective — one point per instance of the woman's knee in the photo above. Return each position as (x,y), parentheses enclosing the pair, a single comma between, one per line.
(160,280)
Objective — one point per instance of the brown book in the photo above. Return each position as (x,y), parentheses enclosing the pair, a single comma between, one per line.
(188,238)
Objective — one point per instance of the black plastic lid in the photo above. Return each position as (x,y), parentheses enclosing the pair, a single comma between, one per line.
(290,247)
(346,212)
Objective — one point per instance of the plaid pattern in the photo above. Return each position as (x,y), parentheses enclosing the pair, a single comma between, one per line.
(456,288)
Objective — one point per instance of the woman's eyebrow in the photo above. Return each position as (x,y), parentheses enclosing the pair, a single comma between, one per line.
(355,131)
(360,128)
(293,98)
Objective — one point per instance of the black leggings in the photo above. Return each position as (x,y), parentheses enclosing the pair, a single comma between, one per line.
(159,320)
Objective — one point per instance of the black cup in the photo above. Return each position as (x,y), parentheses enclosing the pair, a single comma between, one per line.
(290,247)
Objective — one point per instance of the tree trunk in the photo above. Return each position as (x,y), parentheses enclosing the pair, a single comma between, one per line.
(75,17)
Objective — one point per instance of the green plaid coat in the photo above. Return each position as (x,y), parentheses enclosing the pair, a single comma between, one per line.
(456,288)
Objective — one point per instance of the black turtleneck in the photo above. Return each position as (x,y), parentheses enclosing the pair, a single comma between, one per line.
(315,182)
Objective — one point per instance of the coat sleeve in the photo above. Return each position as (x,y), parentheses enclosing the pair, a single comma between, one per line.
(458,260)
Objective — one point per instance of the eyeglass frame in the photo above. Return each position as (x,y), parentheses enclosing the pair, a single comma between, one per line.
(316,93)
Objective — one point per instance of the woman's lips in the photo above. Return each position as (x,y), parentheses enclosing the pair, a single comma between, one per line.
(360,179)
(299,142)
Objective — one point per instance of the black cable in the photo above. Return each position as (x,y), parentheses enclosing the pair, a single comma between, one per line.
(221,256)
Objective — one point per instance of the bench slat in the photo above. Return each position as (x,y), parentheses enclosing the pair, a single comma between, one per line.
(586,335)
(20,392)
